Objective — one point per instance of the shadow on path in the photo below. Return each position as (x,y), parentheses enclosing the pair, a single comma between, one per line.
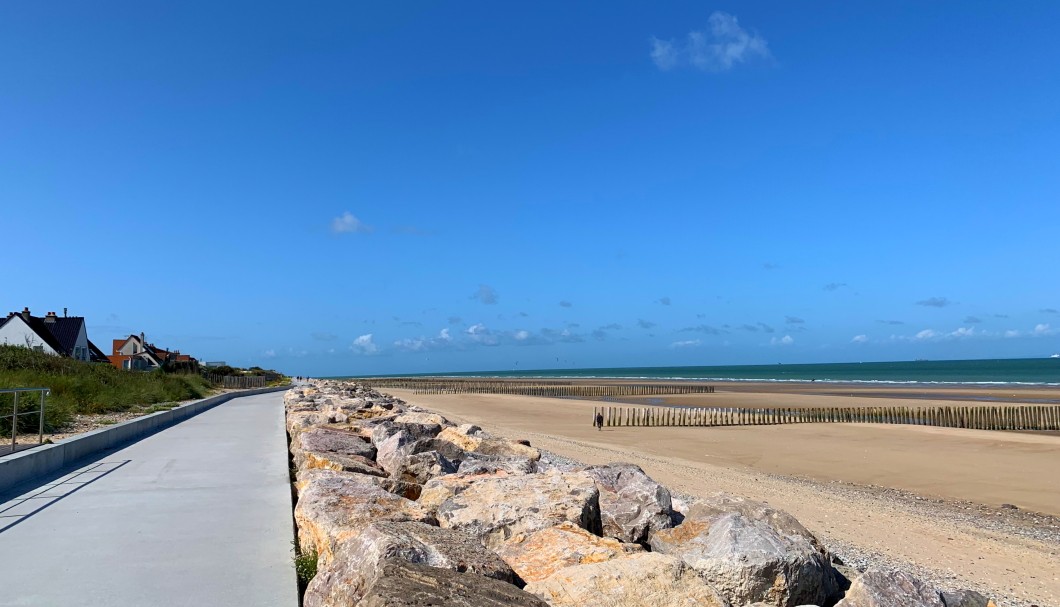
(20,508)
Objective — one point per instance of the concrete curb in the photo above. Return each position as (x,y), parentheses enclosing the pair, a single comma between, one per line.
(41,461)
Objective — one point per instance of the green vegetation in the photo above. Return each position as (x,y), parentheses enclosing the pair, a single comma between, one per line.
(82,387)
(305,565)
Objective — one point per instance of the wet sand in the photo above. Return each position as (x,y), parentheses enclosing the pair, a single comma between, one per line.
(838,479)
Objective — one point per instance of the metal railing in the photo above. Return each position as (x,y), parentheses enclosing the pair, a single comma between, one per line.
(15,413)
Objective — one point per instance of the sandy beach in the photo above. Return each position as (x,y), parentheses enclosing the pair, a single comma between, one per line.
(938,500)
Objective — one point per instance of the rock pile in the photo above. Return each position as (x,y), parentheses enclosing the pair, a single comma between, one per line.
(405,508)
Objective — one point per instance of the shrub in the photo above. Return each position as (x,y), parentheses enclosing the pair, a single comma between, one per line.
(84,387)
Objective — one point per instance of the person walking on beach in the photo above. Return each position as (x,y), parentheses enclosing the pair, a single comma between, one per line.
(599,421)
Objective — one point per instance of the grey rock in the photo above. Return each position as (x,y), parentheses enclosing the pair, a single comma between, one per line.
(333,506)
(494,509)
(359,561)
(469,429)
(750,552)
(451,451)
(403,584)
(632,505)
(345,463)
(965,598)
(324,440)
(393,449)
(414,431)
(476,463)
(421,467)
(878,588)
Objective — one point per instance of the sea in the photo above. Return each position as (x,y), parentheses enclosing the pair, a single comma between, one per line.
(1010,371)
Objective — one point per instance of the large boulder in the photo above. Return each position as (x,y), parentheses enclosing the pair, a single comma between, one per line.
(300,421)
(966,598)
(325,440)
(413,431)
(878,588)
(480,442)
(751,552)
(476,463)
(358,561)
(495,509)
(422,417)
(404,584)
(632,505)
(395,441)
(536,555)
(449,450)
(347,463)
(636,580)
(410,491)
(437,490)
(334,506)
(422,467)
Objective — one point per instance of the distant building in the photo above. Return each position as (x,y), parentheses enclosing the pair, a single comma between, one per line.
(135,353)
(57,335)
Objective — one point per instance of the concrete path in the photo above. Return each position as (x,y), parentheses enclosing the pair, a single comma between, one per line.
(198,515)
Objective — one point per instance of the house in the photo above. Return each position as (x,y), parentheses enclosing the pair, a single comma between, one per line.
(135,353)
(57,335)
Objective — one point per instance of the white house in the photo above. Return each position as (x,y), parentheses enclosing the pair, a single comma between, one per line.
(56,335)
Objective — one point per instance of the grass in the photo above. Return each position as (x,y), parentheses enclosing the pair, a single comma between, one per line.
(305,565)
(82,387)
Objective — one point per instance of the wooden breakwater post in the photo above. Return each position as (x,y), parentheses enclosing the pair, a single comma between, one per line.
(1001,418)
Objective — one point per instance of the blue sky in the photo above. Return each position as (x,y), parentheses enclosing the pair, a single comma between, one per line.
(364,188)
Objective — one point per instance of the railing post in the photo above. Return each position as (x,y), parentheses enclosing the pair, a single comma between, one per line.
(40,434)
(14,424)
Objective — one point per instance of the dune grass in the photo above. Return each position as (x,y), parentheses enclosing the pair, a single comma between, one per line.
(82,387)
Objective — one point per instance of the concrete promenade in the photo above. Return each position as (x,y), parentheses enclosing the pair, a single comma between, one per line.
(197,514)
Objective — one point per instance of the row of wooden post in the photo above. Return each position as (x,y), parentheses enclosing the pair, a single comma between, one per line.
(1023,417)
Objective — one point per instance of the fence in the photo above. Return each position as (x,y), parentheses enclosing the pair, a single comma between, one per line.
(241,381)
(1030,417)
(550,389)
(15,414)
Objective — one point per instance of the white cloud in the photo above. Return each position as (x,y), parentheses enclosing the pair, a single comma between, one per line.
(963,332)
(664,54)
(479,333)
(787,340)
(690,343)
(1012,333)
(419,344)
(926,334)
(521,335)
(719,49)
(364,345)
(348,224)
(860,339)
(270,353)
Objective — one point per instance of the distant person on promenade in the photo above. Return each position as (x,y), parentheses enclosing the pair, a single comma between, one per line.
(599,421)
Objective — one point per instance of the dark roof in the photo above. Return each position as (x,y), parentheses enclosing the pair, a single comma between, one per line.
(65,329)
(37,325)
(96,354)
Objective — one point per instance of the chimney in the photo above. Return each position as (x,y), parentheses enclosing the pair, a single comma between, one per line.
(143,342)
(50,318)
(25,314)
(64,312)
